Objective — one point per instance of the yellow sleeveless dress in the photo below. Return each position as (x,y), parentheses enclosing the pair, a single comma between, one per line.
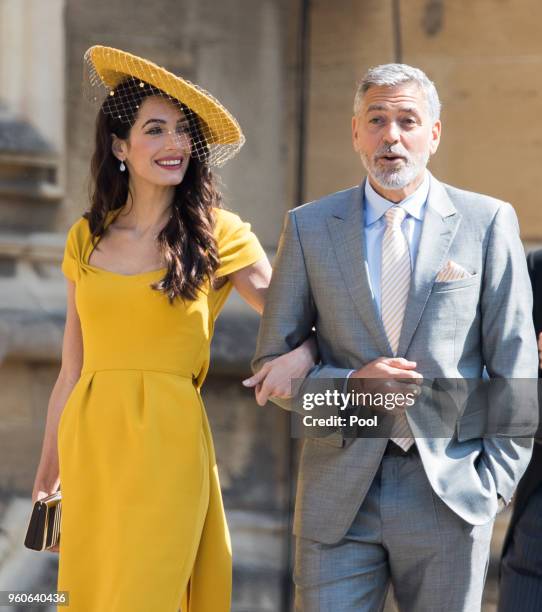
(143,526)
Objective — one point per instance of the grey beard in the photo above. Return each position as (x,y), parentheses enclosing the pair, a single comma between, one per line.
(396,179)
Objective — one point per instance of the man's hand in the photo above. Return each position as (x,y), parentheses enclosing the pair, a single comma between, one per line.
(388,367)
(387,375)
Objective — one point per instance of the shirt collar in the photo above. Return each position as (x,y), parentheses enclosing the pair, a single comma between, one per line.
(414,204)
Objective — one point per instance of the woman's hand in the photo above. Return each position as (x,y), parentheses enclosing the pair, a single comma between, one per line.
(39,493)
(275,377)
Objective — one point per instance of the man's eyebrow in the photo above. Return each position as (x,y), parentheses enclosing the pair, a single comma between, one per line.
(376,107)
(409,109)
(382,107)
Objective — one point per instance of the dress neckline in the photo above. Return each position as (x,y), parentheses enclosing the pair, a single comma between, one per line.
(89,250)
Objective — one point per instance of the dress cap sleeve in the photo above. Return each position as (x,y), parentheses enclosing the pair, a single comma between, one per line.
(72,251)
(238,246)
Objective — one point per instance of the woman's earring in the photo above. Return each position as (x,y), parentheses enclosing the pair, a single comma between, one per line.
(122,166)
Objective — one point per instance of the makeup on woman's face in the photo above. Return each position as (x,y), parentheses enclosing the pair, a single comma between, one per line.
(159,144)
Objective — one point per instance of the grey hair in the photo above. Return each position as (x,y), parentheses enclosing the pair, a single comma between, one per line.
(390,75)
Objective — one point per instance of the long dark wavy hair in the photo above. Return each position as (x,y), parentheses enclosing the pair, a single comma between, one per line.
(187,241)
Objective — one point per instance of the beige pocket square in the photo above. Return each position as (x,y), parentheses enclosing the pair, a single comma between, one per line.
(452,272)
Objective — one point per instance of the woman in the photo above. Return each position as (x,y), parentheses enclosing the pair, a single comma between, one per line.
(149,268)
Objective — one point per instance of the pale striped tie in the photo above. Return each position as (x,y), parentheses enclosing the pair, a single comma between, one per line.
(395,283)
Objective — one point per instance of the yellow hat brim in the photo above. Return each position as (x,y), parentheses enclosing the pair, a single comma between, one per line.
(113,66)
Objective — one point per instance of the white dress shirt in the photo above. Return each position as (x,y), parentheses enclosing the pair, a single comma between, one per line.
(375,206)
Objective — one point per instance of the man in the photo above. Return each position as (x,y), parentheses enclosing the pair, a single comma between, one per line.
(521,565)
(401,277)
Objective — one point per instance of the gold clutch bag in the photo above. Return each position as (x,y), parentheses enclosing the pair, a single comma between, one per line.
(44,527)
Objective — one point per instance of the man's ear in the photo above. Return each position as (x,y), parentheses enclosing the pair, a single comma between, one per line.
(435,137)
(118,147)
(355,125)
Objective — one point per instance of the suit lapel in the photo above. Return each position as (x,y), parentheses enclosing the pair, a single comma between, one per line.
(439,228)
(347,237)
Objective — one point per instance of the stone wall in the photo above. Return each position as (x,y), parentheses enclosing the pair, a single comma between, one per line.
(486,60)
(238,50)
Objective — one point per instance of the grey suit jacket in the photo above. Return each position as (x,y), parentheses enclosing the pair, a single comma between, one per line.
(451,329)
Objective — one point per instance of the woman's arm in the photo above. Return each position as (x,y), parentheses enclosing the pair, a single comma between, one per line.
(252,282)
(47,475)
(274,379)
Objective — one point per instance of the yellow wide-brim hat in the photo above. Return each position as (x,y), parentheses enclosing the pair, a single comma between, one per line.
(108,67)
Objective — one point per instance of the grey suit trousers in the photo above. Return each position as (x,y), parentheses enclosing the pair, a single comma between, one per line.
(403,534)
